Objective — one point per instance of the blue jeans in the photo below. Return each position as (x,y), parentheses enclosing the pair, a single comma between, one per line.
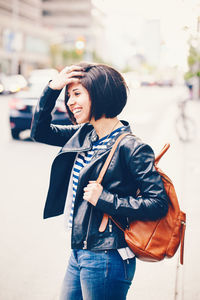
(100,275)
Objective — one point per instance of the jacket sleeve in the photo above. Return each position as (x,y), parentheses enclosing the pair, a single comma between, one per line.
(152,202)
(41,128)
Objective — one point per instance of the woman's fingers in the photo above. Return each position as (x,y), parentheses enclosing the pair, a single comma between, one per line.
(92,192)
(85,196)
(75,74)
(73,80)
(69,69)
(91,186)
(67,76)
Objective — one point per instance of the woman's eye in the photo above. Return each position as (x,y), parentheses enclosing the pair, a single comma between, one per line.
(77,94)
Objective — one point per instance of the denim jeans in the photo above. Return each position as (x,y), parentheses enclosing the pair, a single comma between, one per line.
(100,275)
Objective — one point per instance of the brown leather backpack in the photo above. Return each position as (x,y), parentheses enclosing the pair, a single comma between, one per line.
(153,240)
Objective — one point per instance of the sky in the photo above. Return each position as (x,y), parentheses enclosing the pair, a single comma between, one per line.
(124,21)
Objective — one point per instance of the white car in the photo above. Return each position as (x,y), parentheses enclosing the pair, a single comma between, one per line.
(41,76)
(13,83)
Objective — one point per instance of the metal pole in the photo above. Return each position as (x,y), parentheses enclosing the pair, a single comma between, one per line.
(176,290)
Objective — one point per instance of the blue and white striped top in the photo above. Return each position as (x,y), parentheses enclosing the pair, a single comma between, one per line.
(83,159)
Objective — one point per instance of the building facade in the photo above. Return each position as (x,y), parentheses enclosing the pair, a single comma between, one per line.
(78,23)
(30,28)
(24,42)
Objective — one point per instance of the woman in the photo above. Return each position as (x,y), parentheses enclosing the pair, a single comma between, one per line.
(101,265)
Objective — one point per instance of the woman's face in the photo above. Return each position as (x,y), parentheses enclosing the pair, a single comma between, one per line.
(79,102)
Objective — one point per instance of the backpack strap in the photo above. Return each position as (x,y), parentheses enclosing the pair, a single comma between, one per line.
(162,152)
(104,221)
(109,158)
(182,241)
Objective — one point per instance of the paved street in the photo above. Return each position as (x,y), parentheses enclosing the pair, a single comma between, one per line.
(34,252)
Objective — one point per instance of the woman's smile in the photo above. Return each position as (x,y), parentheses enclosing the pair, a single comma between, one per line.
(79,102)
(76,111)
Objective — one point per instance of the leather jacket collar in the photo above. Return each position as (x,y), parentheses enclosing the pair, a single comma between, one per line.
(83,142)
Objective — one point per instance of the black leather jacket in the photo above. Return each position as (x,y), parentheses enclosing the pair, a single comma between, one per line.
(132,167)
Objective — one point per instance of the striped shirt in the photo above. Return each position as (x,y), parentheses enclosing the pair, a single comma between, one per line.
(83,159)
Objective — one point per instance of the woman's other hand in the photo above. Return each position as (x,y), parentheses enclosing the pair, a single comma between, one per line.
(66,76)
(92,192)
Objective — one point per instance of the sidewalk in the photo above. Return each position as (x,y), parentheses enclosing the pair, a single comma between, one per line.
(191,193)
(168,280)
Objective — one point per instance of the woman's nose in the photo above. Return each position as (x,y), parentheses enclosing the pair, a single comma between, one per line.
(70,101)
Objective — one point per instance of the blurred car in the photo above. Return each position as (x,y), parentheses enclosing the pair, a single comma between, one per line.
(165,83)
(22,106)
(148,83)
(12,84)
(2,75)
(41,76)
(1,88)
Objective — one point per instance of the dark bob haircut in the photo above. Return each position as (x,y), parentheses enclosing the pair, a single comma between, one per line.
(107,89)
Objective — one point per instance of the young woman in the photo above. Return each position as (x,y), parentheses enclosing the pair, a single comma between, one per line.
(101,265)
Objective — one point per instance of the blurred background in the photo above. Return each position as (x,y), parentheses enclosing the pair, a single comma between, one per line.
(157,41)
(156,46)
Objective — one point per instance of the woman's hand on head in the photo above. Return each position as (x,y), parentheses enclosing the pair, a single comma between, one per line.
(67,76)
(92,192)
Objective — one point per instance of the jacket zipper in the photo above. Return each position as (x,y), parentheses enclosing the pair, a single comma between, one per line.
(88,229)
(110,225)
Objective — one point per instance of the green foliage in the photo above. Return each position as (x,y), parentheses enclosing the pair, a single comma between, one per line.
(61,56)
(198,74)
(71,56)
(55,51)
(188,75)
(126,69)
(193,58)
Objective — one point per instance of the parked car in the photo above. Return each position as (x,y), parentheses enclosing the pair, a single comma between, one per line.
(165,83)
(1,88)
(41,76)
(12,84)
(22,106)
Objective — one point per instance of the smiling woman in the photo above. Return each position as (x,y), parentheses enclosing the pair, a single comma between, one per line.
(79,102)
(101,265)
(106,89)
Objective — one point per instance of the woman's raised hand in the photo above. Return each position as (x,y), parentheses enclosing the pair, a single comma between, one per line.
(66,76)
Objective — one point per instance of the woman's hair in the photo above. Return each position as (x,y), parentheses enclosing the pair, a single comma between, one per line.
(107,89)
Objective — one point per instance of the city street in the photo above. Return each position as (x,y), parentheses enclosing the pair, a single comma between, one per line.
(34,252)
